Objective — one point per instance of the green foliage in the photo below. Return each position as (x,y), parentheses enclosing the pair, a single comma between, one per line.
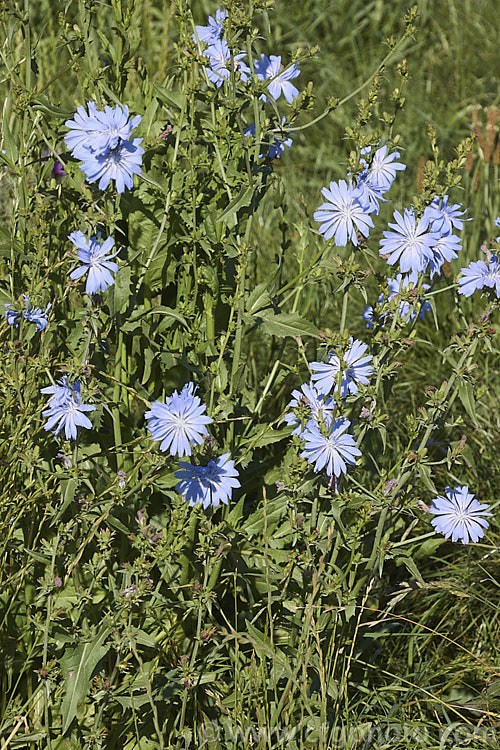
(299,616)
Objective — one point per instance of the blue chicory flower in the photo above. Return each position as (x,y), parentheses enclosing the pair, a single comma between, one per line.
(35,315)
(180,422)
(480,274)
(411,243)
(119,164)
(211,484)
(280,83)
(445,249)
(99,131)
(343,213)
(219,56)
(405,311)
(65,409)
(332,450)
(213,32)
(377,178)
(101,140)
(96,262)
(444,217)
(459,516)
(11,316)
(381,172)
(308,404)
(277,147)
(354,365)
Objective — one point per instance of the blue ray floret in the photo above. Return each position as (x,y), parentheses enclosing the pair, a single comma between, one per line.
(219,56)
(180,422)
(65,409)
(96,260)
(459,516)
(101,140)
(213,31)
(410,243)
(280,82)
(343,213)
(405,311)
(354,365)
(480,274)
(331,451)
(308,404)
(211,484)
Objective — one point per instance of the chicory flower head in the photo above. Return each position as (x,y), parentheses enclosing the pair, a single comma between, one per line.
(332,450)
(381,172)
(180,422)
(213,32)
(405,311)
(119,164)
(65,409)
(459,516)
(96,262)
(411,243)
(211,484)
(308,404)
(220,57)
(35,314)
(269,68)
(11,315)
(444,217)
(343,214)
(280,142)
(99,131)
(480,274)
(354,365)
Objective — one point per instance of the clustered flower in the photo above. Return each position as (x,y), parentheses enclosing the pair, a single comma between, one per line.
(65,408)
(327,444)
(101,140)
(222,60)
(405,310)
(179,424)
(348,207)
(32,314)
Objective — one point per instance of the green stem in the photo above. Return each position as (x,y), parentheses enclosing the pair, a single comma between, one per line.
(117,430)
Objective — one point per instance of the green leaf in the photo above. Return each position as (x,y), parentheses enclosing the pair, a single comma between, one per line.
(286,324)
(9,144)
(78,665)
(119,293)
(466,396)
(244,198)
(258,298)
(174,98)
(159,310)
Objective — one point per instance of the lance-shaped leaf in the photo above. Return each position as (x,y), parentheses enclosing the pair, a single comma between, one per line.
(78,665)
